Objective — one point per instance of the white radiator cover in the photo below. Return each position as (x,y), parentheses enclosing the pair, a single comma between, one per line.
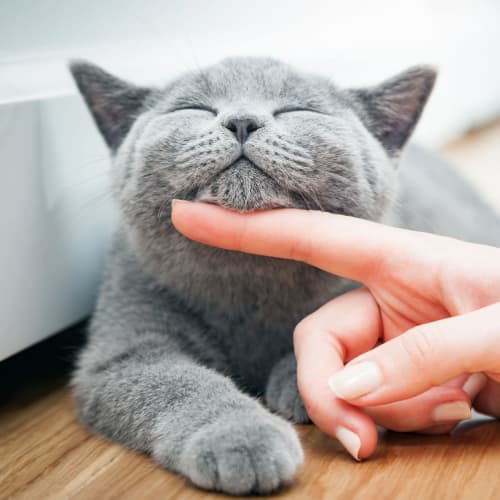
(55,218)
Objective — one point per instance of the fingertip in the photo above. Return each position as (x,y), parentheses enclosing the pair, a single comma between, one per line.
(438,408)
(474,383)
(355,430)
(365,428)
(177,203)
(178,212)
(488,399)
(351,426)
(199,221)
(350,440)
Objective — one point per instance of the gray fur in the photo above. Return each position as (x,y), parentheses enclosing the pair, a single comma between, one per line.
(186,339)
(282,394)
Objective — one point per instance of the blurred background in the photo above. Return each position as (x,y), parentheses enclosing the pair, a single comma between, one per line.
(55,210)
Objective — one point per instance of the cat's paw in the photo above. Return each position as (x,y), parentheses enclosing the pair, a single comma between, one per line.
(242,453)
(282,394)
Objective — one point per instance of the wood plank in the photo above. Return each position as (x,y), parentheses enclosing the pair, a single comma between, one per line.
(46,453)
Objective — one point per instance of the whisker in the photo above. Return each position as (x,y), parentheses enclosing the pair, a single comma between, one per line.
(162,210)
(304,199)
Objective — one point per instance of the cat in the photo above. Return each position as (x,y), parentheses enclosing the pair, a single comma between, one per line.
(188,343)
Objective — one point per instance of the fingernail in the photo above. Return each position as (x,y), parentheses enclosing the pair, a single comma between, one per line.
(349,439)
(474,384)
(450,412)
(356,380)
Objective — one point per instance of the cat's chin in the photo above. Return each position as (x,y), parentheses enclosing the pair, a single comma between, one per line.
(247,207)
(244,187)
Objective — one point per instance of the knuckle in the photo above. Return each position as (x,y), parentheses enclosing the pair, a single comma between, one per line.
(419,346)
(303,328)
(312,407)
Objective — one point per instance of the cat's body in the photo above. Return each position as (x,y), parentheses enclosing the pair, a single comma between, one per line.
(433,197)
(183,332)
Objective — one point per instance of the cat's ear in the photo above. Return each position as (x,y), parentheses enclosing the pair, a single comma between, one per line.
(392,109)
(114,103)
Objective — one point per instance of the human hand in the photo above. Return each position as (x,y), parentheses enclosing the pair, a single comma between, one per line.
(431,300)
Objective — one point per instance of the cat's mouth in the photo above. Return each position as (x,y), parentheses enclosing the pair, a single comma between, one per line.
(244,187)
(245,163)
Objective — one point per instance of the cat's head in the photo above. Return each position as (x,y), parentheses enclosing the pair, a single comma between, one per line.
(252,133)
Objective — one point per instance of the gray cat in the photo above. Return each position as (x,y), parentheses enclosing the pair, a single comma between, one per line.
(188,342)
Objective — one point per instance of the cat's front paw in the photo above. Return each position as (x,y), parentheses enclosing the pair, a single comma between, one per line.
(242,453)
(282,394)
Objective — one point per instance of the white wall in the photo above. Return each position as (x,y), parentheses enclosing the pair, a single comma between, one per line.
(355,42)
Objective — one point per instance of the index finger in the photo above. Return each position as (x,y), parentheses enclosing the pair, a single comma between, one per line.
(346,246)
(323,341)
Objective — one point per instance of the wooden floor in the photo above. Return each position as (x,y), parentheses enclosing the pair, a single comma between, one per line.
(45,453)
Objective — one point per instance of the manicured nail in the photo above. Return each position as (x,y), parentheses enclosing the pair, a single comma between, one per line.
(474,384)
(350,440)
(356,380)
(451,412)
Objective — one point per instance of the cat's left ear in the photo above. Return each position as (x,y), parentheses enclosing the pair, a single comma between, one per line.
(114,103)
(392,109)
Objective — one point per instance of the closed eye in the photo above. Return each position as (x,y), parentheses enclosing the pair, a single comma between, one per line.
(295,109)
(208,109)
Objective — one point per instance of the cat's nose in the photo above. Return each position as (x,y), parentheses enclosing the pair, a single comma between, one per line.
(242,127)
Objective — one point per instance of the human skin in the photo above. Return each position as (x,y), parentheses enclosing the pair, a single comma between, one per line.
(412,350)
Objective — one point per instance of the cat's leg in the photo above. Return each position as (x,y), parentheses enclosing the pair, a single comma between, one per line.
(137,385)
(282,393)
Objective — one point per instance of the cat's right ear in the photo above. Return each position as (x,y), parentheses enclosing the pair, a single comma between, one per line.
(392,109)
(114,103)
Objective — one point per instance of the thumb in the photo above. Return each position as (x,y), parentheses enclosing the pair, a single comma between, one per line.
(423,357)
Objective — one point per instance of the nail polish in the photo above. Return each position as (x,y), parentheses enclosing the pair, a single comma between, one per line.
(451,412)
(349,440)
(356,380)
(474,384)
